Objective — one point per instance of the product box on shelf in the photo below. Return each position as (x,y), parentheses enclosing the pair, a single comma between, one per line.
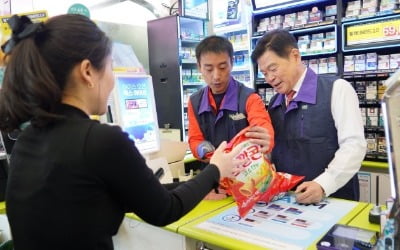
(371,63)
(304,47)
(369,3)
(269,93)
(330,35)
(371,143)
(315,15)
(359,62)
(329,45)
(387,6)
(380,119)
(313,64)
(332,66)
(316,46)
(381,145)
(304,39)
(349,63)
(368,11)
(363,111)
(289,20)
(359,87)
(330,10)
(354,5)
(381,89)
(372,116)
(353,13)
(322,65)
(302,18)
(371,90)
(395,61)
(383,62)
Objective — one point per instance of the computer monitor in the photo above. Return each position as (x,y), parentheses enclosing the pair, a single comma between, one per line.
(134,110)
(391,116)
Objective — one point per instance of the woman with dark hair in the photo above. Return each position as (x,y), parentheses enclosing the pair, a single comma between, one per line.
(72,179)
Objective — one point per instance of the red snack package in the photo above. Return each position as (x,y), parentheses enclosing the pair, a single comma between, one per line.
(256,179)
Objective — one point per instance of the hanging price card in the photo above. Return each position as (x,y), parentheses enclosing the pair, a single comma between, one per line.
(374,32)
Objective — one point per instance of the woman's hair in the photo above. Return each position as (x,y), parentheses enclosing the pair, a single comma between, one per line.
(279,41)
(214,44)
(42,58)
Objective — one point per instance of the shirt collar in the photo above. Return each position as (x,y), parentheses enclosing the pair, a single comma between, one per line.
(230,101)
(306,89)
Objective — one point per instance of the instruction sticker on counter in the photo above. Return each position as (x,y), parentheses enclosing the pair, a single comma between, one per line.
(280,224)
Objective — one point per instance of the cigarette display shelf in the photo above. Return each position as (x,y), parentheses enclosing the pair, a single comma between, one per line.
(371,15)
(313,35)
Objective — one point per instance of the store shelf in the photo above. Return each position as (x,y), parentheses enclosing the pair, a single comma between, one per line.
(190,41)
(321,53)
(193,83)
(280,7)
(240,68)
(237,48)
(368,74)
(371,15)
(189,61)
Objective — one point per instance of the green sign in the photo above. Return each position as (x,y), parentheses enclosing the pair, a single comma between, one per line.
(80,9)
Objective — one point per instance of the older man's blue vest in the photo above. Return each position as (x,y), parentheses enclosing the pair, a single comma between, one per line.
(224,125)
(306,137)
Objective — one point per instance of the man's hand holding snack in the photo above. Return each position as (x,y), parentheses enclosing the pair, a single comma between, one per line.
(259,135)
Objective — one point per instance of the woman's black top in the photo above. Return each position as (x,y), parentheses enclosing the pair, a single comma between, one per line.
(71,183)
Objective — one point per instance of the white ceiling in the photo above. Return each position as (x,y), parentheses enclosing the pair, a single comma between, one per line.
(117,11)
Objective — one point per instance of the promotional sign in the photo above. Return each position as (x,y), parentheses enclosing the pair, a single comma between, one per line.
(381,31)
(135,110)
(195,8)
(227,13)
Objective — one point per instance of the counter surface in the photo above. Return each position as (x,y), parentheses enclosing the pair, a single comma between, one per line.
(281,224)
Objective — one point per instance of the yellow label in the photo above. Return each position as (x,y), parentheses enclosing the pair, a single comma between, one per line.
(35,16)
(5,31)
(382,31)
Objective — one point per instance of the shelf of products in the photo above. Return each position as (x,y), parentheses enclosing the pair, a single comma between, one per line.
(313,23)
(355,40)
(240,40)
(173,67)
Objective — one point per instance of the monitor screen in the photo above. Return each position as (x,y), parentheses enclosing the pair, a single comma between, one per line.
(134,110)
(391,115)
(195,8)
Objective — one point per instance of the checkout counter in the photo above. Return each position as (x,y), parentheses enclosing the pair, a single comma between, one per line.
(281,224)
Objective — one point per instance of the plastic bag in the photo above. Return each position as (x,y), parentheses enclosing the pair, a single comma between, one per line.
(255,180)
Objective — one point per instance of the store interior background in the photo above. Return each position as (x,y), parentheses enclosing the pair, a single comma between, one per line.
(125,21)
